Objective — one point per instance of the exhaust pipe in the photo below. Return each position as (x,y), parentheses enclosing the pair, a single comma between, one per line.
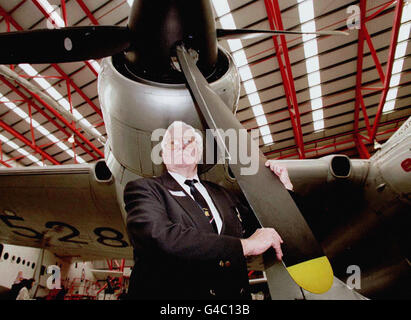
(102,173)
(340,166)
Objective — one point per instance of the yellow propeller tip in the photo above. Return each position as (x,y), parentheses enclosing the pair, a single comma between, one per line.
(315,275)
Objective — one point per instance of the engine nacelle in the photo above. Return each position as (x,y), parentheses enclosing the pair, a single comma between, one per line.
(133,108)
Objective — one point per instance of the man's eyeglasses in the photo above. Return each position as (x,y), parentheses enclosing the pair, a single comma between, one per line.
(180,143)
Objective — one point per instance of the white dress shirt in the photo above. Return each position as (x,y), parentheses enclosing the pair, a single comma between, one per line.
(23,294)
(181,179)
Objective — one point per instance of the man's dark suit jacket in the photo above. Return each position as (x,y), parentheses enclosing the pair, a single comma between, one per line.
(177,254)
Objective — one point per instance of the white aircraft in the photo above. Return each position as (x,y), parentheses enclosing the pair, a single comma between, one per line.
(78,211)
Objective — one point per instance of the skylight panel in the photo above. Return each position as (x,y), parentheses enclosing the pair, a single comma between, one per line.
(254,98)
(240,59)
(28,69)
(95,65)
(245,73)
(12,144)
(249,86)
(227,22)
(312,63)
(258,110)
(261,120)
(400,51)
(221,7)
(305,10)
(51,10)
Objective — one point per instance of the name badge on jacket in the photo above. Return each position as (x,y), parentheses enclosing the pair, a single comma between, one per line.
(177,193)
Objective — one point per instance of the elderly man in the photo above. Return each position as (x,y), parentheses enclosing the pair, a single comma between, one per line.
(187,233)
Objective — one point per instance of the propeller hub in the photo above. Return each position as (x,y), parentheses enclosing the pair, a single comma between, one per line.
(157,28)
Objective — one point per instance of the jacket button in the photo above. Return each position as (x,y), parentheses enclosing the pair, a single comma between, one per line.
(227,264)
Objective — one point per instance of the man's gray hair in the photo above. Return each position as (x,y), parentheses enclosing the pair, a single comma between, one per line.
(180,125)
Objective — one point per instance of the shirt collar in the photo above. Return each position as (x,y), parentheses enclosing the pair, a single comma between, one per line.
(180,178)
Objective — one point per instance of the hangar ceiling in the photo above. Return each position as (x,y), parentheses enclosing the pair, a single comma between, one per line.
(308,96)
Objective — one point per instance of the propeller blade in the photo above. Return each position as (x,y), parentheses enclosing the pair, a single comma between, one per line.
(273,206)
(63,45)
(224,34)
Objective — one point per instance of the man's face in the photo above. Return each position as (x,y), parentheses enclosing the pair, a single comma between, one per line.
(181,148)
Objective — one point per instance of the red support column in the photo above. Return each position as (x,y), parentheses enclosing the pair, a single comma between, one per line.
(390,62)
(360,56)
(385,78)
(274,18)
(64,11)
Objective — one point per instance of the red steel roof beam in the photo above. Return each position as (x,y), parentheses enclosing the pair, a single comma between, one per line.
(1,157)
(374,54)
(390,62)
(5,164)
(77,89)
(55,66)
(27,142)
(359,102)
(95,22)
(64,11)
(376,13)
(334,137)
(14,9)
(58,116)
(322,28)
(26,99)
(87,12)
(274,19)
(62,119)
(284,50)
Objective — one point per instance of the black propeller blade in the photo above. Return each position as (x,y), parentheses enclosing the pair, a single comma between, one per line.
(224,34)
(271,203)
(63,45)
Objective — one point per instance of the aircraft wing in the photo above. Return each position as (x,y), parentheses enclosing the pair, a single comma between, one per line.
(306,174)
(71,210)
(309,174)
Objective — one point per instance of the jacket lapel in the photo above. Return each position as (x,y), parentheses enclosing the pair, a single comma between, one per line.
(218,200)
(186,202)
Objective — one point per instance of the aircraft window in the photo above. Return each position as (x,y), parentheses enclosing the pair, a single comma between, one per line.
(28,263)
(24,262)
(1,248)
(6,256)
(42,270)
(33,265)
(14,258)
(18,260)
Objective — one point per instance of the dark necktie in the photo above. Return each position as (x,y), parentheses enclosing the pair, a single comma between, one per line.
(201,202)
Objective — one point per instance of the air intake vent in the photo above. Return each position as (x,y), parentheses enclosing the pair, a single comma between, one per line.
(340,166)
(102,172)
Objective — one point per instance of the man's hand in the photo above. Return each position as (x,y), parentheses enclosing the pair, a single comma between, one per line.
(281,172)
(260,241)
